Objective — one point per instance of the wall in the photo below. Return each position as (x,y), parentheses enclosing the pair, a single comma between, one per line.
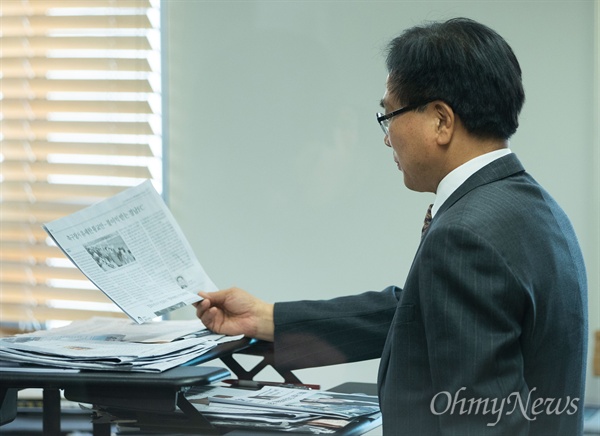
(277,170)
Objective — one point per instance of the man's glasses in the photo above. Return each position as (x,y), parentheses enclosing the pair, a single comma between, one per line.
(385,119)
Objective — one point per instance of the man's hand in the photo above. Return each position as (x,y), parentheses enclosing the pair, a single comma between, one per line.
(234,311)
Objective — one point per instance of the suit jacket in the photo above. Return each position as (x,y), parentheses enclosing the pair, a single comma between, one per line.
(488,336)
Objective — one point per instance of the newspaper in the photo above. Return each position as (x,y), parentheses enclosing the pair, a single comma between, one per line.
(133,250)
(282,409)
(301,400)
(278,399)
(100,327)
(113,344)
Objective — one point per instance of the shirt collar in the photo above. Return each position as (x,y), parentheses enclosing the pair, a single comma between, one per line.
(459,175)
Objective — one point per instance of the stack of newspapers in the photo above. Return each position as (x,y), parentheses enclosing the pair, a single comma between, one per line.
(113,344)
(282,408)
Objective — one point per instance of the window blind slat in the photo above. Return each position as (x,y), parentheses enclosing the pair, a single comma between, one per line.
(19,109)
(38,45)
(43,24)
(42,191)
(20,272)
(40,294)
(26,128)
(20,66)
(19,231)
(17,252)
(35,88)
(39,150)
(37,212)
(19,171)
(41,7)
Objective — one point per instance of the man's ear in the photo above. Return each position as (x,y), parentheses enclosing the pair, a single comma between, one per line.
(446,122)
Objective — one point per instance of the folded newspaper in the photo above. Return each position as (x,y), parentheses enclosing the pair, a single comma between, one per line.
(112,344)
(133,250)
(282,408)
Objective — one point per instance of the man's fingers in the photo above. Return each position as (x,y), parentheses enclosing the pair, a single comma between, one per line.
(202,307)
(208,318)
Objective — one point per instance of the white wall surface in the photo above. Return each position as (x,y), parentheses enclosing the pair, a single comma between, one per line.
(277,169)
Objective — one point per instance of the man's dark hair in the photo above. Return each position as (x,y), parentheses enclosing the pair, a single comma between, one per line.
(467,65)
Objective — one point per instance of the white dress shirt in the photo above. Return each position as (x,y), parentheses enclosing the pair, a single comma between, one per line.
(459,175)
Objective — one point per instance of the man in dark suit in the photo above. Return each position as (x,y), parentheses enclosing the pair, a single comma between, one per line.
(488,336)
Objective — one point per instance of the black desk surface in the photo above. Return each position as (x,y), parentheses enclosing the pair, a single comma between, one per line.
(173,378)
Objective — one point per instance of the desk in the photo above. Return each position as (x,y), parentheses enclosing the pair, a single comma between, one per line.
(148,392)
(153,397)
(142,391)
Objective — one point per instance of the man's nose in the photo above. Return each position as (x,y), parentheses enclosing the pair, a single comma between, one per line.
(386,140)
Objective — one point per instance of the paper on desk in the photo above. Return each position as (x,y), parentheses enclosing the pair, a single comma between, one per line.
(133,250)
(115,345)
(321,403)
(156,364)
(279,408)
(101,328)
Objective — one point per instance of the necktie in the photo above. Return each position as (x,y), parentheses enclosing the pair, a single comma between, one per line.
(427,221)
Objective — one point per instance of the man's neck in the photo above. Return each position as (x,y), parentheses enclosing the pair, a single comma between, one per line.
(471,147)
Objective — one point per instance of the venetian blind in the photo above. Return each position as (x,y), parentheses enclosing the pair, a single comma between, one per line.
(80,121)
